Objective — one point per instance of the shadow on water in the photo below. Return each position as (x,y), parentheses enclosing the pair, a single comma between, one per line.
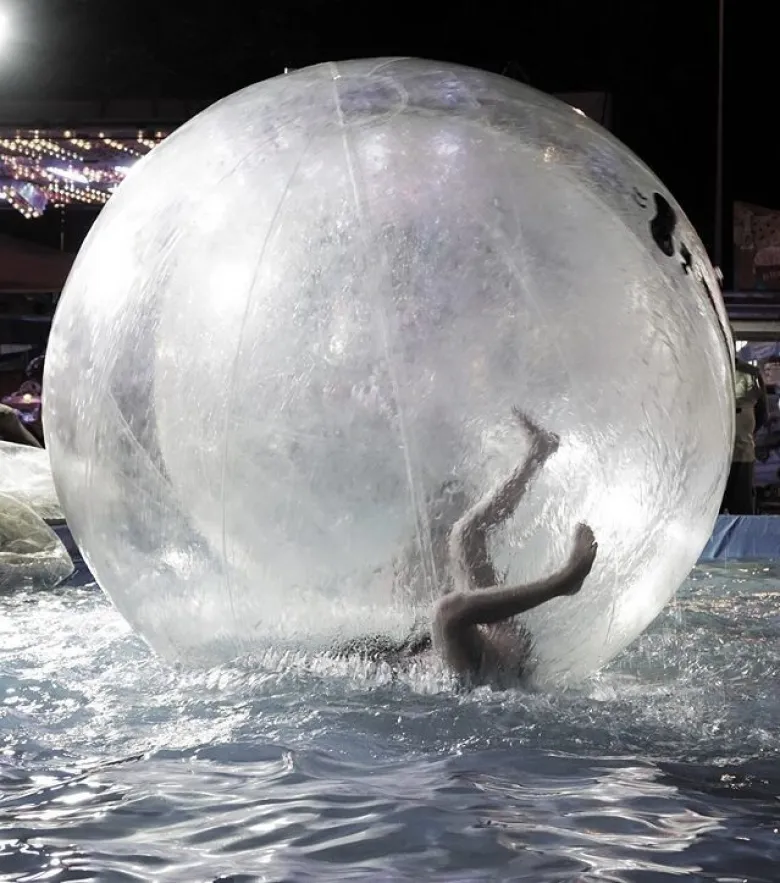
(116,767)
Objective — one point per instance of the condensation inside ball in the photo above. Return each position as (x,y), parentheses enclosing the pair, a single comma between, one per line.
(287,359)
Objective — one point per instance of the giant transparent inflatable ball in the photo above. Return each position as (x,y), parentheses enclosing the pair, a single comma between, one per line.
(287,358)
(25,475)
(32,556)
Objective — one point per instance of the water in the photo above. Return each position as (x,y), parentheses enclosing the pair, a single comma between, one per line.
(115,767)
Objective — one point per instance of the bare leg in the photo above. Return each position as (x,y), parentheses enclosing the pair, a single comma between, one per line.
(458,615)
(467,545)
(466,648)
(468,540)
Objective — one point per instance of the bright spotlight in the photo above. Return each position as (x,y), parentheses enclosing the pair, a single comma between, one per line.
(5,28)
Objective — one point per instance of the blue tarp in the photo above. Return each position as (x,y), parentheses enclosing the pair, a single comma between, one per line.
(744,538)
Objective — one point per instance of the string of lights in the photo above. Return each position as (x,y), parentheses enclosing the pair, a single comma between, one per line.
(47,168)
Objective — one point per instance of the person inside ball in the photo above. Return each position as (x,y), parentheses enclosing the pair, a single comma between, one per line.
(473,628)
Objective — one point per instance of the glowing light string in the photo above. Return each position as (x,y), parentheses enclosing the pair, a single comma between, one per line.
(43,168)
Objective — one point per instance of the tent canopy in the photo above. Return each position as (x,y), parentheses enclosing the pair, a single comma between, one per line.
(29,268)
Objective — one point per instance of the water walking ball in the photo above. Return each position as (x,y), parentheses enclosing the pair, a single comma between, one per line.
(287,358)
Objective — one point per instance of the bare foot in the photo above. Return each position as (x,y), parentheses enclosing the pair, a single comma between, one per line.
(582,557)
(544,442)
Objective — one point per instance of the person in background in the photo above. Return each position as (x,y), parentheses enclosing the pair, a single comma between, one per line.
(34,386)
(34,371)
(750,394)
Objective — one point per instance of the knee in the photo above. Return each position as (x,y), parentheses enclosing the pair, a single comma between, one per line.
(449,611)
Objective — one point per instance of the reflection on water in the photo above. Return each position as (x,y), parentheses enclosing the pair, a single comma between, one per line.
(115,767)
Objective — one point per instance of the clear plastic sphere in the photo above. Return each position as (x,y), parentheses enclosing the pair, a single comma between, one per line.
(287,357)
(32,556)
(25,475)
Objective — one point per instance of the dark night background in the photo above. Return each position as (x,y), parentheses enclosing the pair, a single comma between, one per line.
(658,60)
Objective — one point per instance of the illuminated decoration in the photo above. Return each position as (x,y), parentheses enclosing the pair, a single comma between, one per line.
(42,168)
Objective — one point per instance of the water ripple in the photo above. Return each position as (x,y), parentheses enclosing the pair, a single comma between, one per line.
(116,767)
